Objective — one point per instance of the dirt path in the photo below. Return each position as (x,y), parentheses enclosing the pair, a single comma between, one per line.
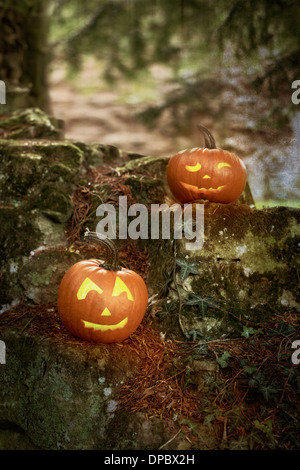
(94,113)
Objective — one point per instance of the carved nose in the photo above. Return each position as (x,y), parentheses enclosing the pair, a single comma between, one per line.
(206,177)
(106,312)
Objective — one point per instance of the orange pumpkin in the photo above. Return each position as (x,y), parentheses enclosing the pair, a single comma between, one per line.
(102,302)
(206,173)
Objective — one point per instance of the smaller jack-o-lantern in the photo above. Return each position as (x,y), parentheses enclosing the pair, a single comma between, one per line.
(101,301)
(206,173)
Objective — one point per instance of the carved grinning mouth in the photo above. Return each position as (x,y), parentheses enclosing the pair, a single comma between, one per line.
(96,326)
(197,190)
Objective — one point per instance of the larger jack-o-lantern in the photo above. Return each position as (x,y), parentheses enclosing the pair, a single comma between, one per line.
(101,301)
(206,173)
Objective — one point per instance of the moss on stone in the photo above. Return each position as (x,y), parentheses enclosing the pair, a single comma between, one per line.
(41,279)
(32,123)
(18,234)
(145,189)
(41,275)
(55,204)
(30,165)
(152,166)
(36,187)
(51,387)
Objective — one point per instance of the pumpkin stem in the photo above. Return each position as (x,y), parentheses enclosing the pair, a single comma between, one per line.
(209,140)
(112,257)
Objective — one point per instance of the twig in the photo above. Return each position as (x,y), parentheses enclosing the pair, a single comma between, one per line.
(28,323)
(170,440)
(226,386)
(224,437)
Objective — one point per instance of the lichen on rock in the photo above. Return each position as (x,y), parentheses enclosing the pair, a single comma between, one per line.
(247,265)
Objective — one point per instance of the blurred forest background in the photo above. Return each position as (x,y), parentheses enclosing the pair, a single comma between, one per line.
(141,74)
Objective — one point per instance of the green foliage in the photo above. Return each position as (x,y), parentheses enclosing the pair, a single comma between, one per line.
(267,428)
(222,361)
(266,388)
(193,334)
(202,303)
(132,35)
(186,268)
(248,369)
(200,350)
(247,332)
(168,308)
(128,35)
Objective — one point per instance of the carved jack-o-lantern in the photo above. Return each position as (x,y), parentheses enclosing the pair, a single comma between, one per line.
(102,302)
(206,173)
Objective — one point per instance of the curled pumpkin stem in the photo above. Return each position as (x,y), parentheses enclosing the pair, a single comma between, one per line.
(209,140)
(112,257)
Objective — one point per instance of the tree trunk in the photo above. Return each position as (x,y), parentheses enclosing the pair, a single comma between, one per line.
(24,55)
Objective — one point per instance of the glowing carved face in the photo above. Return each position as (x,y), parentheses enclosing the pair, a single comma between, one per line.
(101,305)
(203,190)
(200,173)
(87,286)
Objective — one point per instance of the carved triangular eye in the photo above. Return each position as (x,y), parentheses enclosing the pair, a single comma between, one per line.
(120,287)
(86,287)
